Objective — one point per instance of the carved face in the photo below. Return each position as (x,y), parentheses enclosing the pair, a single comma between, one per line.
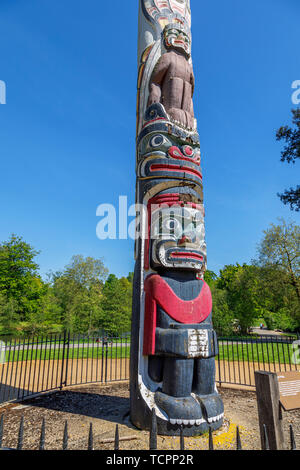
(163,145)
(161,156)
(178,237)
(177,39)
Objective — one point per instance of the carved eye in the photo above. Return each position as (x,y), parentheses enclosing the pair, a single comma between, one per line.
(188,151)
(171,225)
(158,140)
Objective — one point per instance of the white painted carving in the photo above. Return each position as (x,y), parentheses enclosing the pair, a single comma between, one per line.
(198,343)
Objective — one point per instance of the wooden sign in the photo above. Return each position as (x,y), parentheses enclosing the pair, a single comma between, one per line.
(289,389)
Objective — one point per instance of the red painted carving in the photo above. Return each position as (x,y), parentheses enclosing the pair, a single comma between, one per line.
(176,168)
(176,153)
(158,292)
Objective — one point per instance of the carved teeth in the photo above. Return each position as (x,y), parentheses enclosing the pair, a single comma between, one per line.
(215,418)
(187,422)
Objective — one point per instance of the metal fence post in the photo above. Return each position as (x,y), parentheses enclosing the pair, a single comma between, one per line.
(67,360)
(102,358)
(106,358)
(219,364)
(153,431)
(65,347)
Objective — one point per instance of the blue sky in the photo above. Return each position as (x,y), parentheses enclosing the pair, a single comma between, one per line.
(67,132)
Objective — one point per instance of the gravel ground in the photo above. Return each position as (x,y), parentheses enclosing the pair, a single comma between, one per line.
(106,406)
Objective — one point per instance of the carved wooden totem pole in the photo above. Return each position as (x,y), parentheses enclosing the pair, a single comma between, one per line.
(173,344)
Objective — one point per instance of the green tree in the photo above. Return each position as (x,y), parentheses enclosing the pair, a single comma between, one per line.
(20,283)
(116,305)
(17,267)
(51,311)
(210,277)
(241,285)
(290,153)
(223,316)
(8,314)
(87,271)
(130,277)
(279,271)
(275,297)
(78,291)
(280,249)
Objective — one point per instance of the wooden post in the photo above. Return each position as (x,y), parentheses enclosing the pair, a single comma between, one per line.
(268,404)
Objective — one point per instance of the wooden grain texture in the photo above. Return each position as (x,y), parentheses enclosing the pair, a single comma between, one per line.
(268,404)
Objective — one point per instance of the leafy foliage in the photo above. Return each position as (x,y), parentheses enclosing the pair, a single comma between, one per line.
(80,298)
(280,248)
(116,305)
(240,284)
(290,153)
(223,316)
(78,293)
(21,287)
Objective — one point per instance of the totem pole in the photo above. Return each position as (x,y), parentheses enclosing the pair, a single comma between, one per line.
(173,344)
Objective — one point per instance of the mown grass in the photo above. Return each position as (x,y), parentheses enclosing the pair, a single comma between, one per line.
(43,354)
(264,353)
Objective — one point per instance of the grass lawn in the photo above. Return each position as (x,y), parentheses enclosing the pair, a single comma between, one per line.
(273,353)
(97,352)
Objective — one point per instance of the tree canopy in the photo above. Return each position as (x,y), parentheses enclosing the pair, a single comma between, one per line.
(290,154)
(280,248)
(80,299)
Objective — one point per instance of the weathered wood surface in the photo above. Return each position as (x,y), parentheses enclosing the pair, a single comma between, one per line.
(269,413)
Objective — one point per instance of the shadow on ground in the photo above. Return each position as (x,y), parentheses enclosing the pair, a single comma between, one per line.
(8,393)
(94,405)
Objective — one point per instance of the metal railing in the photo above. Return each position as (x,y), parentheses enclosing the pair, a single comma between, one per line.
(42,364)
(118,439)
(240,357)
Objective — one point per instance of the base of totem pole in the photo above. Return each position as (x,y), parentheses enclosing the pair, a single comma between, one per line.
(168,429)
(165,428)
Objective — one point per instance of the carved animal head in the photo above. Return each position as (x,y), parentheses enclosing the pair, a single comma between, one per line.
(176,37)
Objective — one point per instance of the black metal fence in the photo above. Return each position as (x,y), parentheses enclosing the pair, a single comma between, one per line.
(42,364)
(118,439)
(239,357)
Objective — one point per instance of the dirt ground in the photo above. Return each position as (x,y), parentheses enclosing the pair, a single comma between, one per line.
(106,406)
